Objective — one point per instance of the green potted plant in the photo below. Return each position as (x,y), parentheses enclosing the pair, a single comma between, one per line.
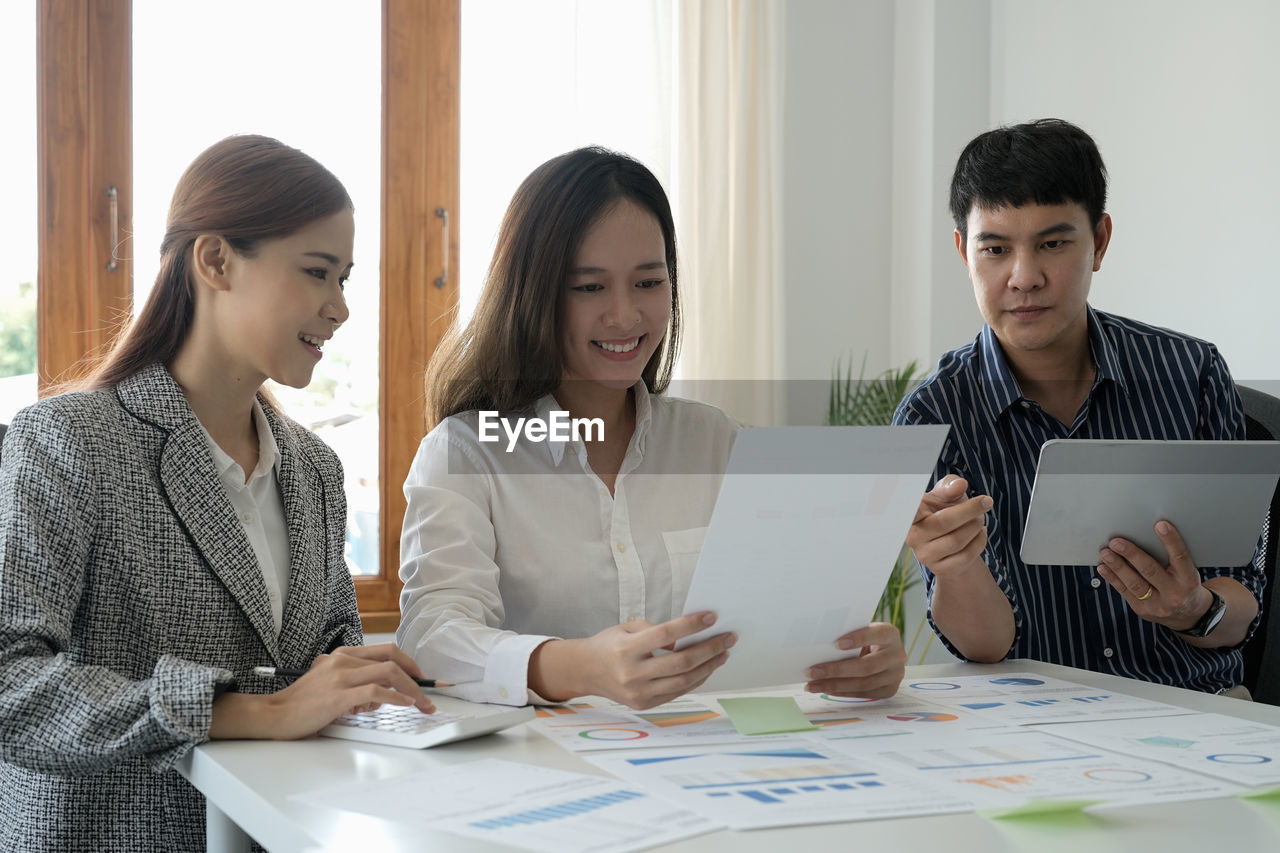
(872,402)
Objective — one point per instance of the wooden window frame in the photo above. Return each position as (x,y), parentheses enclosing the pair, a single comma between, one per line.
(85,144)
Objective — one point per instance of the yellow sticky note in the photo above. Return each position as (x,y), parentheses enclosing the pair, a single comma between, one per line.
(766,715)
(1039,809)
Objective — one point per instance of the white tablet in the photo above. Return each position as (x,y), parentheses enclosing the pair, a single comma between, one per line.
(1086,491)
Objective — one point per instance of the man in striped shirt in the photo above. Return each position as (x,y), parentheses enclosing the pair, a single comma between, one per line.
(1028,202)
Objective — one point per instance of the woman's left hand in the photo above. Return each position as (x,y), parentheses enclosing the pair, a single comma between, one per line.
(874,674)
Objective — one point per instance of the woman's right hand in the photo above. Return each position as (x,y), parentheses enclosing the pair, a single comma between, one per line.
(625,663)
(349,680)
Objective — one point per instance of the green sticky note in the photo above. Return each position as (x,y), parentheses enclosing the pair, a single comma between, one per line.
(766,715)
(1272,793)
(1040,809)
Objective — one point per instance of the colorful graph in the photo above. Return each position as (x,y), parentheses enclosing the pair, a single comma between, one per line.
(1017,682)
(678,718)
(1238,758)
(832,718)
(1038,703)
(999,783)
(552,711)
(771,796)
(981,706)
(1162,740)
(792,752)
(923,717)
(765,777)
(934,685)
(559,811)
(613,734)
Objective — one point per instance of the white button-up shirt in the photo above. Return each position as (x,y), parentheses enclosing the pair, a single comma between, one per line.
(502,551)
(260,508)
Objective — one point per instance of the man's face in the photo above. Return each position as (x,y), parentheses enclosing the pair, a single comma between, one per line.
(1031,267)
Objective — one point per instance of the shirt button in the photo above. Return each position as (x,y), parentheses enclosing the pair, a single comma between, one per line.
(502,691)
(247,518)
(631,617)
(1095,583)
(622,547)
(1106,653)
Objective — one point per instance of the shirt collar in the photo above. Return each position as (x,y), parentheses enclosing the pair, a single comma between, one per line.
(644,415)
(1104,353)
(1001,388)
(997,383)
(268,454)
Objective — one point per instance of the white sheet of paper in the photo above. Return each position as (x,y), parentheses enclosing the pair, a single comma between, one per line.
(1019,698)
(533,808)
(803,536)
(1240,751)
(777,783)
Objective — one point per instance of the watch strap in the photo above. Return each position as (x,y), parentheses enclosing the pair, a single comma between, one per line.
(1204,627)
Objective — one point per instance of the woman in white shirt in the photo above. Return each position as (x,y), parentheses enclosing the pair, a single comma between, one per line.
(539,566)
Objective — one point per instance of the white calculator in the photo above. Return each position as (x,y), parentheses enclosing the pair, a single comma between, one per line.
(454,719)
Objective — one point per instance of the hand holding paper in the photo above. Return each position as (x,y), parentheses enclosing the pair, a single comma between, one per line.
(626,664)
(874,674)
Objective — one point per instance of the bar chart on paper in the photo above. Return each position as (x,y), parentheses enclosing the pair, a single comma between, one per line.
(771,786)
(525,806)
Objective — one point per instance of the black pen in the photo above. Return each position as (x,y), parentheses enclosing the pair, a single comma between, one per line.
(270,671)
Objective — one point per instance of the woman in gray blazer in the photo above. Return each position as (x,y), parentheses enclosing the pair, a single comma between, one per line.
(143,573)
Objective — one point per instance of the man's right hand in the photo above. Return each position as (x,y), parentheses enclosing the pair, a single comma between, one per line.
(949,532)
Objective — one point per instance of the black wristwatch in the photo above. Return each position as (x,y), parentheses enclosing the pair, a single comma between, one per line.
(1210,619)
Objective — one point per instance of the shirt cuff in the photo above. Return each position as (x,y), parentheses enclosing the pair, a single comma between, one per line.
(506,672)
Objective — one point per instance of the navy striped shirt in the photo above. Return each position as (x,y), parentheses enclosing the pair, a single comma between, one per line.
(1151,384)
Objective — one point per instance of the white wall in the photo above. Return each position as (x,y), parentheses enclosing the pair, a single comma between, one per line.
(837,96)
(880,96)
(1181,97)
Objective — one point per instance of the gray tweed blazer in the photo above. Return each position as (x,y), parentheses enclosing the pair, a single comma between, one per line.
(130,598)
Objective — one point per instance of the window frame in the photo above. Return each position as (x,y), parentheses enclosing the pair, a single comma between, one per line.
(85,144)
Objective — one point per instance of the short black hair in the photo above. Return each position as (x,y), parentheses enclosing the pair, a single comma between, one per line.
(1047,161)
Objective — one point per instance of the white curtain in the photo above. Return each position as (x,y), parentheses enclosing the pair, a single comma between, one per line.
(725,173)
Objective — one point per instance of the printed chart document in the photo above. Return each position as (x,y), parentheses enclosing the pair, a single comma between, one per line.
(995,743)
(532,808)
(1240,751)
(1022,698)
(803,536)
(800,781)
(784,783)
(596,724)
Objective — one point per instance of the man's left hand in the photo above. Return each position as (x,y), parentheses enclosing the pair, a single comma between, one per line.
(1171,595)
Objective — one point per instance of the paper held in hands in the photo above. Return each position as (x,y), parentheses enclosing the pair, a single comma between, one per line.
(803,536)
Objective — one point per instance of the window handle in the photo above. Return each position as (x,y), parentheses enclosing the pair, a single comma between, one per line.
(443,279)
(113,207)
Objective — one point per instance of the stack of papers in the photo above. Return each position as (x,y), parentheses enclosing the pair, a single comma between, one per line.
(998,744)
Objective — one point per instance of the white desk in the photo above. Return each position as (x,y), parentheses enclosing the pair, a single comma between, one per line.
(248,785)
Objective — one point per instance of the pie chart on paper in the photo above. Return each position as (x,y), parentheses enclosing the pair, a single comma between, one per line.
(924,717)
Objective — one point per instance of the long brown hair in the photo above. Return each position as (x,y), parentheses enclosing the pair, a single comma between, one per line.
(245,188)
(510,354)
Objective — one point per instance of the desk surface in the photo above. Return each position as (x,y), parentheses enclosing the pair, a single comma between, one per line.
(251,782)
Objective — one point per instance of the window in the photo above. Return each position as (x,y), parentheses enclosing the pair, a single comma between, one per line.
(317,90)
(17,216)
(85,144)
